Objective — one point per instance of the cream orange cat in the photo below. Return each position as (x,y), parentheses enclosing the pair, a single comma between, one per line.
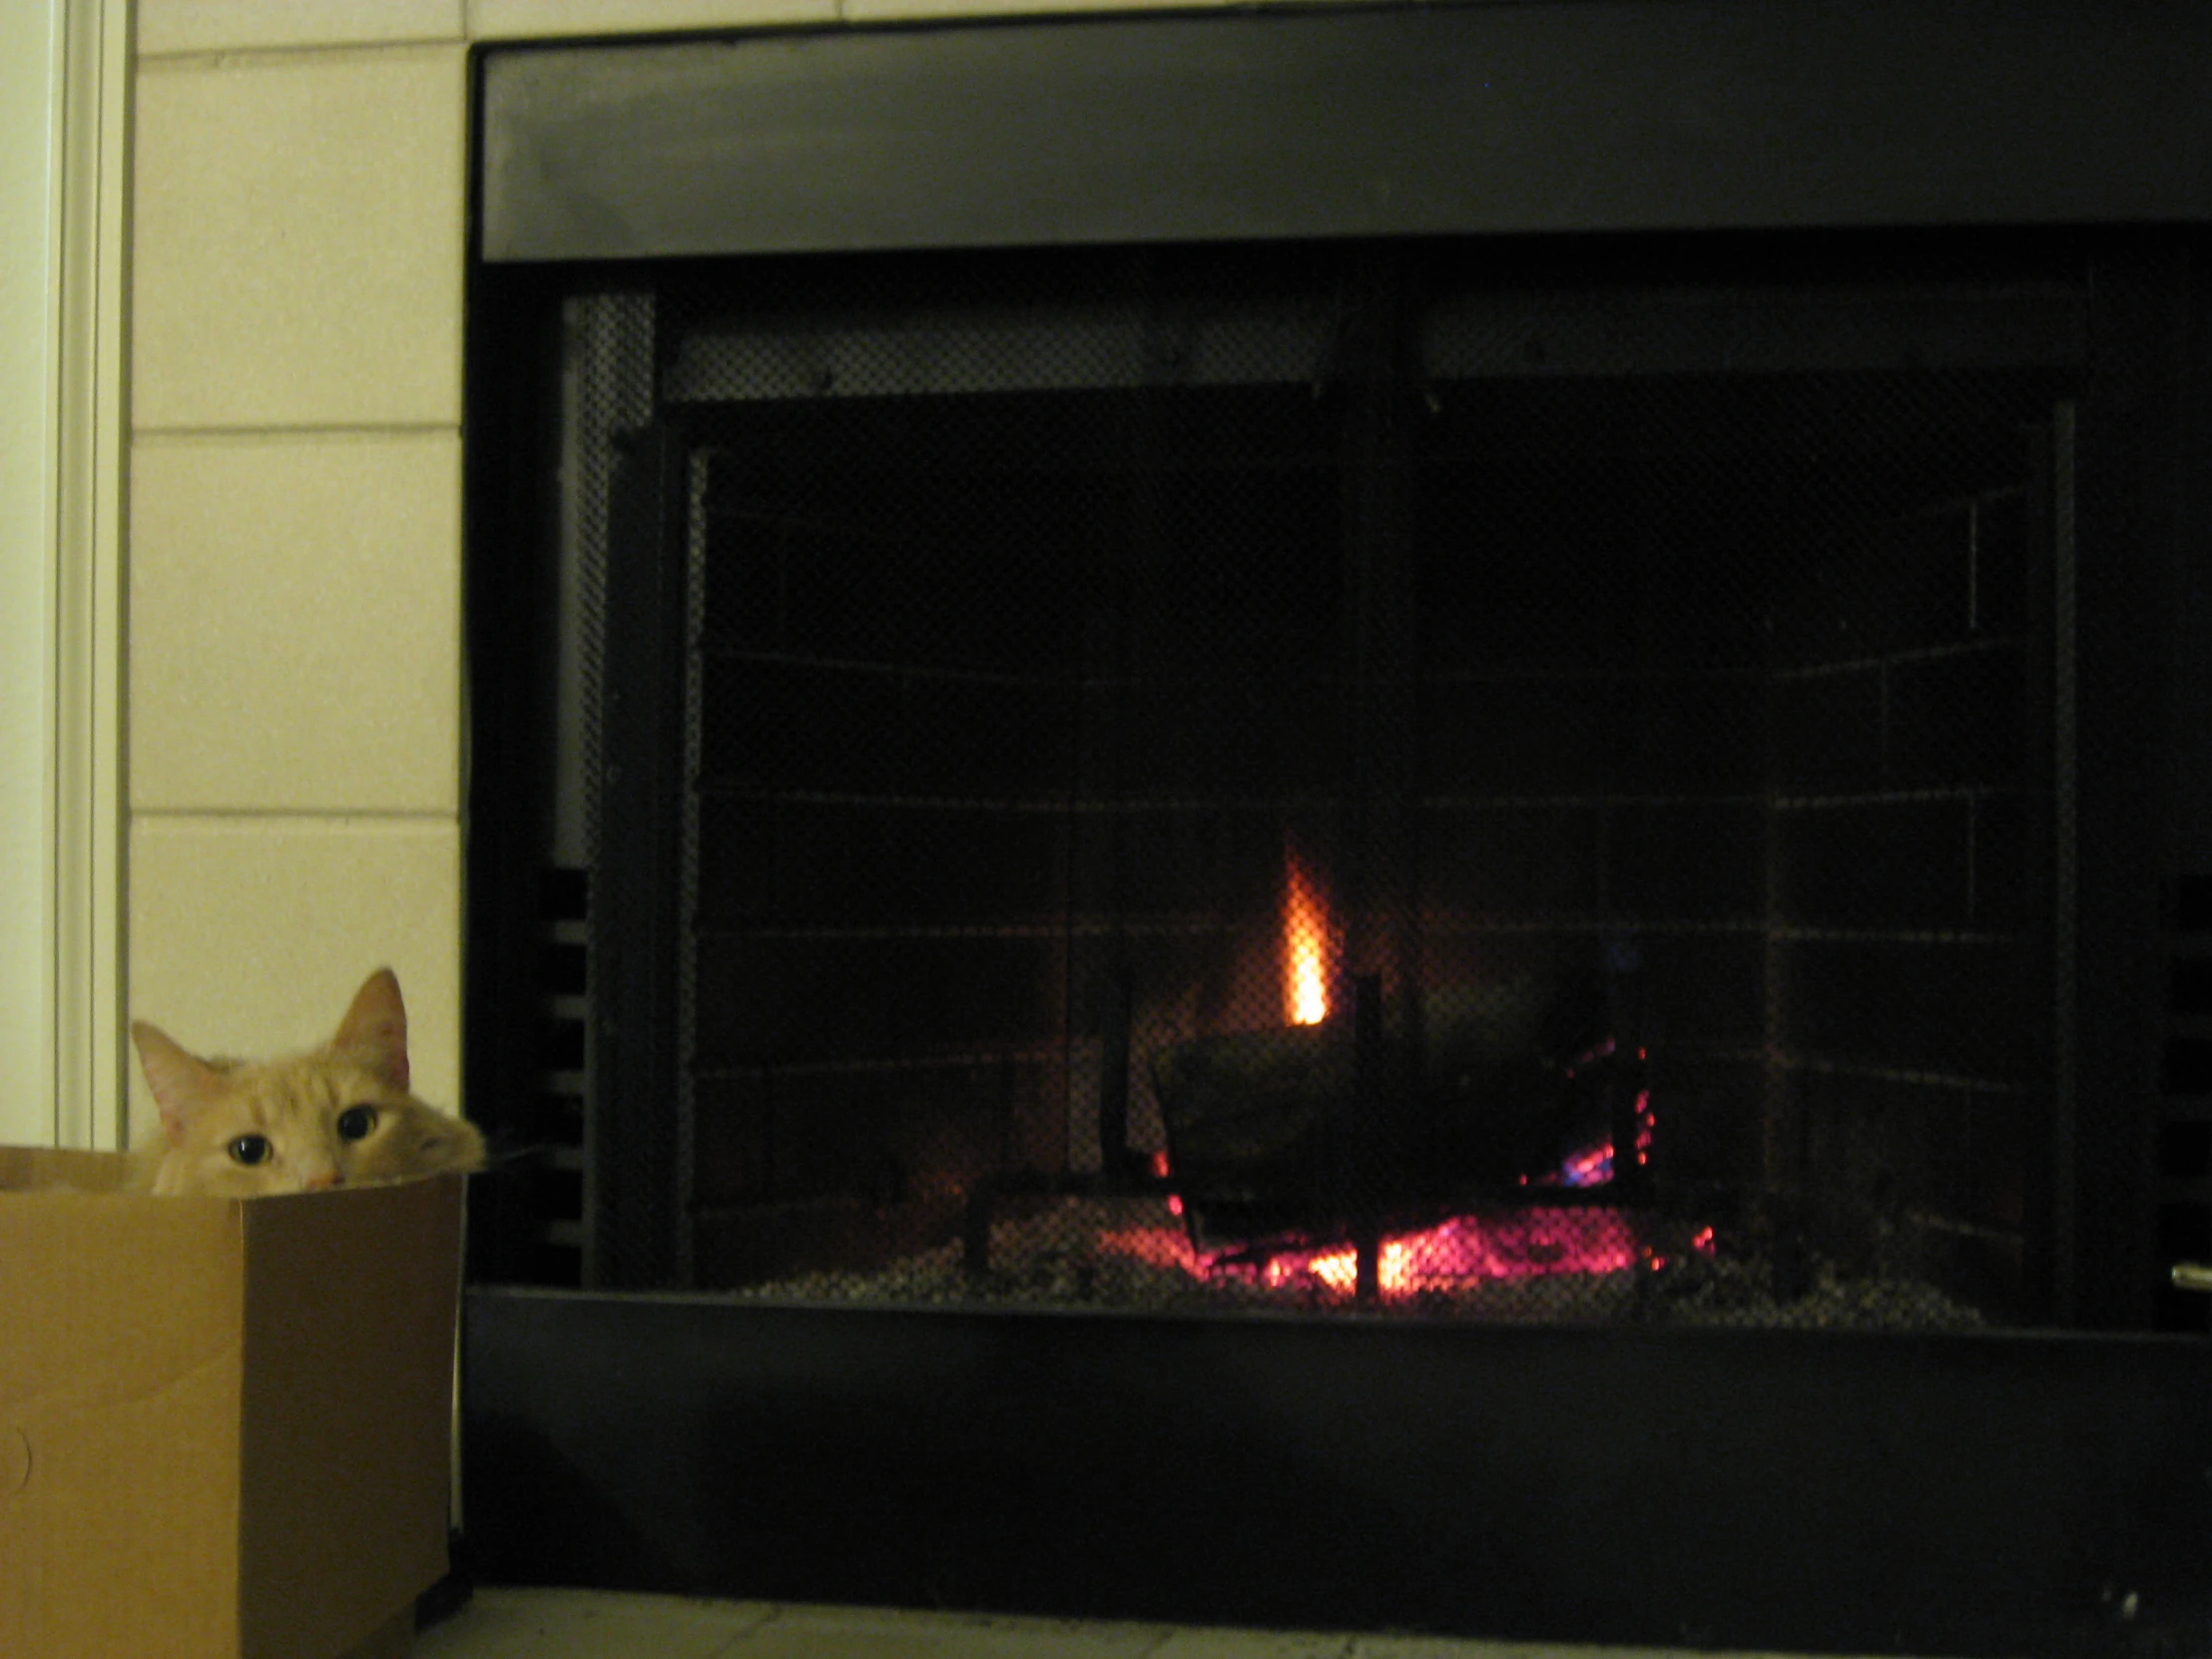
(339,1115)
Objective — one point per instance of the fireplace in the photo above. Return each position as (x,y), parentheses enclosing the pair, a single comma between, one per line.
(1174,789)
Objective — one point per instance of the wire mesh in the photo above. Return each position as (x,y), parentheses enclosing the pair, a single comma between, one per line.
(1295,778)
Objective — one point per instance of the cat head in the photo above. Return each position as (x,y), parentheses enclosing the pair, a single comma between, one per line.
(339,1115)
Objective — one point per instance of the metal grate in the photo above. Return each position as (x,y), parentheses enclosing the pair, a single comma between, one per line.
(1303,777)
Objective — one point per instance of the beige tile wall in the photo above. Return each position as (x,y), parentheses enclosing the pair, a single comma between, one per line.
(295,662)
(294,553)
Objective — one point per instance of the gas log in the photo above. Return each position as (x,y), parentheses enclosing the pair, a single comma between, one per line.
(1384,1118)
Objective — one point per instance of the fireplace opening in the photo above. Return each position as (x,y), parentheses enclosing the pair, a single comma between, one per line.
(1325,777)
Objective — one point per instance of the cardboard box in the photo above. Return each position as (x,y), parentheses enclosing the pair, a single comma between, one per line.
(224,1423)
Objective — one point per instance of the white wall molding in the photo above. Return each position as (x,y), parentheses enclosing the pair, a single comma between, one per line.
(31,50)
(64,115)
(93,416)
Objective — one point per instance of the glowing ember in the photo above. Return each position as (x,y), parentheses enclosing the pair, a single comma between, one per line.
(1591,1167)
(1158,1246)
(1453,1254)
(1304,946)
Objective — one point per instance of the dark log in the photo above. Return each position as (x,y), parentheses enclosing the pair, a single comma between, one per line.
(1480,1090)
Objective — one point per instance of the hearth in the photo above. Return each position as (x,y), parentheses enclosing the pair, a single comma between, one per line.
(1204,763)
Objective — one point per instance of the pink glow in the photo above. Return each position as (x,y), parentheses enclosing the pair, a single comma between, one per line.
(1158,1246)
(1455,1253)
(1591,1167)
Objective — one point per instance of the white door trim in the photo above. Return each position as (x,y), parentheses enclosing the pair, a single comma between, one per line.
(64,139)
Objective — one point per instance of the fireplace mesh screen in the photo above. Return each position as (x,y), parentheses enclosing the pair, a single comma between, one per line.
(1299,778)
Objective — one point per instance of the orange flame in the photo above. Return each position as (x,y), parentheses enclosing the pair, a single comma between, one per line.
(1304,946)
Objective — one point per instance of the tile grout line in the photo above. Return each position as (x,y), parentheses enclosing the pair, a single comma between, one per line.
(190,58)
(185,59)
(300,815)
(303,429)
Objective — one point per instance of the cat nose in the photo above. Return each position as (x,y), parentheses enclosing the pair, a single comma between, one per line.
(327,1179)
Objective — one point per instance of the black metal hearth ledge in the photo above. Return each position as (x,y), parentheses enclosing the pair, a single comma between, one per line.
(1774,1489)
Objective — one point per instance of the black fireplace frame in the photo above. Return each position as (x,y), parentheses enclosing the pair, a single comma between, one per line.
(1932,131)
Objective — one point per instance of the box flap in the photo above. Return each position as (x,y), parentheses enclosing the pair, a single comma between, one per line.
(120,1357)
(350,1318)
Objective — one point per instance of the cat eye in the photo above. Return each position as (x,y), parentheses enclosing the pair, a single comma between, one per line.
(250,1149)
(356,1122)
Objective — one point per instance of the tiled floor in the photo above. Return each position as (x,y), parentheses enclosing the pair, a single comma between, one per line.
(585,1624)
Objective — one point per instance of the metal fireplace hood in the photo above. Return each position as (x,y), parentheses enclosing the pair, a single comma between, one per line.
(1577,116)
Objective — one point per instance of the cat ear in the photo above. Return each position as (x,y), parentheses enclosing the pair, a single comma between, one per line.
(181,1084)
(376,1029)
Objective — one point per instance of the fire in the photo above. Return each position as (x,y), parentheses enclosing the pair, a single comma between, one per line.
(1464,1251)
(1468,1249)
(1304,946)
